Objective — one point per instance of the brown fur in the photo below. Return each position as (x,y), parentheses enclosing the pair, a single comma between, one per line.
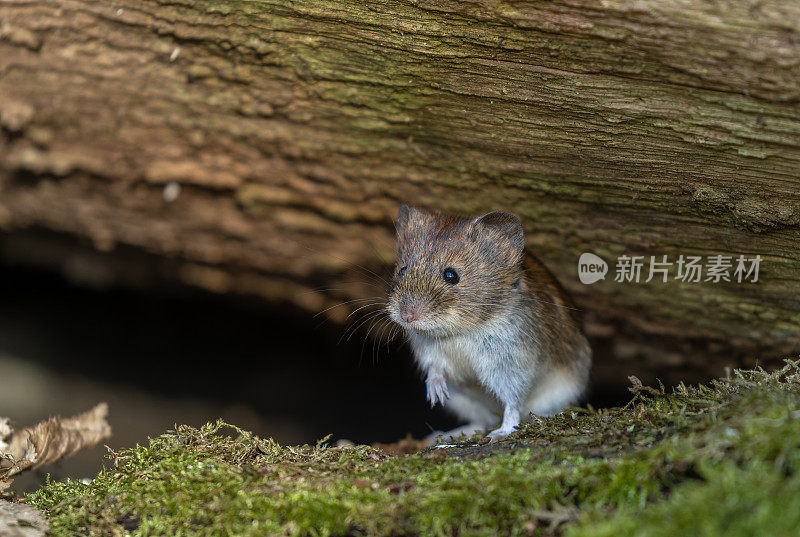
(507,324)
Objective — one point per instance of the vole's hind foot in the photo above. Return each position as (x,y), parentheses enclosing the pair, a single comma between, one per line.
(511,419)
(499,433)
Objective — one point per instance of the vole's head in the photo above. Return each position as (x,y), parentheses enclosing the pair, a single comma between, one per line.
(454,274)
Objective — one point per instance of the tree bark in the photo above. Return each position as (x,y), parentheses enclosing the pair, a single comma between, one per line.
(290,131)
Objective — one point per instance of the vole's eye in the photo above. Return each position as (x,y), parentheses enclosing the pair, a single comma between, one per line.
(403,270)
(450,276)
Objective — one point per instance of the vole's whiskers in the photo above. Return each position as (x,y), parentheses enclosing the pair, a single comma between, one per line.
(348,333)
(365,269)
(348,302)
(376,340)
(391,327)
(341,289)
(366,306)
(361,317)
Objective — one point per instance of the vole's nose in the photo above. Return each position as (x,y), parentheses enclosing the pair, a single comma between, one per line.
(410,314)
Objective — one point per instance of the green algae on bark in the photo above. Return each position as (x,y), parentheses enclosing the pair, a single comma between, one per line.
(720,459)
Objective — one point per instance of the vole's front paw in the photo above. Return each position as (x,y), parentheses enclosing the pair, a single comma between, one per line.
(437,389)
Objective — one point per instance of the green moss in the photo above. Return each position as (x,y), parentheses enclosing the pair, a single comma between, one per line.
(731,501)
(713,460)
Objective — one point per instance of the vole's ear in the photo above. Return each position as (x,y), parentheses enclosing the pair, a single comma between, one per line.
(505,226)
(406,214)
(402,214)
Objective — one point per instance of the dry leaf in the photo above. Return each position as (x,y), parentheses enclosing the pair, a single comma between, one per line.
(638,387)
(5,432)
(50,440)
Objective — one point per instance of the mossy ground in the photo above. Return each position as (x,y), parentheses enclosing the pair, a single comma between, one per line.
(721,459)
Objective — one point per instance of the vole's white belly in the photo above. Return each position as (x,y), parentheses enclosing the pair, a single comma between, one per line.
(467,357)
(460,357)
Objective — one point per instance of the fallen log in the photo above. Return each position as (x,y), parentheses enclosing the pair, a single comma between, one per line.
(263,148)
